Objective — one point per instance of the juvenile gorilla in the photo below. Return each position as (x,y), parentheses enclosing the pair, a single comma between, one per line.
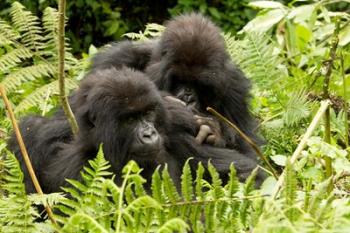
(125,112)
(191,63)
(120,109)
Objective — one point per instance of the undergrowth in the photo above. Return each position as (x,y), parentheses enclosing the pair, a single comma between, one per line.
(284,51)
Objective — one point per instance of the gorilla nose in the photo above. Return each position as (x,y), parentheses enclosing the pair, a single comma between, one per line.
(149,136)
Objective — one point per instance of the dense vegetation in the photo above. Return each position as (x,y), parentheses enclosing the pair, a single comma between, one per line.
(296,55)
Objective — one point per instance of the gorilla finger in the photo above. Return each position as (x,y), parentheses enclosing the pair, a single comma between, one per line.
(200,121)
(211,139)
(174,99)
(203,133)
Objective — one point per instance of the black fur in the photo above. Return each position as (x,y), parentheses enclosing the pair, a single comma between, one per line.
(191,52)
(102,105)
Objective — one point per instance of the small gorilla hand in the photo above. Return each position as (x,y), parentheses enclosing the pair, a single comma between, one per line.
(209,131)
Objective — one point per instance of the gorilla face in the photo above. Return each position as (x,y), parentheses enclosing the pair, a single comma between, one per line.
(188,95)
(123,110)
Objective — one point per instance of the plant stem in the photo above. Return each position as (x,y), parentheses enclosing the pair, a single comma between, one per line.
(24,150)
(302,144)
(329,66)
(246,138)
(345,105)
(61,51)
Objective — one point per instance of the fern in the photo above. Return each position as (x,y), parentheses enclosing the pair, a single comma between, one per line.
(255,56)
(247,190)
(28,25)
(296,109)
(152,30)
(7,34)
(37,96)
(31,56)
(16,212)
(91,186)
(13,58)
(290,192)
(29,73)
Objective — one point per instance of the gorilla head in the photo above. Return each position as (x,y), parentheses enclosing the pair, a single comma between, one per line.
(191,61)
(123,110)
(192,64)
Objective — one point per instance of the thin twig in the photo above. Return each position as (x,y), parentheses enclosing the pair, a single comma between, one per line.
(302,144)
(61,51)
(345,102)
(329,68)
(24,150)
(246,138)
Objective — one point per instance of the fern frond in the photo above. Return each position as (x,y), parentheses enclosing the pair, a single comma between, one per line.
(296,109)
(187,182)
(233,183)
(152,30)
(28,25)
(173,225)
(7,34)
(218,191)
(157,193)
(169,187)
(16,212)
(37,96)
(247,190)
(87,193)
(29,73)
(255,56)
(81,222)
(50,26)
(13,58)
(290,192)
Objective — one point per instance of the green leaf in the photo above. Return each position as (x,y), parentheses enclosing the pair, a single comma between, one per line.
(301,13)
(266,4)
(279,159)
(265,21)
(143,202)
(344,36)
(173,225)
(187,182)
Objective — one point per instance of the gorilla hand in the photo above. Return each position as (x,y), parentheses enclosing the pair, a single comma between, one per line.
(209,131)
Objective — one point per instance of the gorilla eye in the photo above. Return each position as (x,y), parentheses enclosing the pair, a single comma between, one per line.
(150,114)
(130,120)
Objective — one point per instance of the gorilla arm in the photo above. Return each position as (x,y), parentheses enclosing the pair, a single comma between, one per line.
(183,145)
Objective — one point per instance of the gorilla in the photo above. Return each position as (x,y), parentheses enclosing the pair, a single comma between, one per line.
(122,110)
(190,62)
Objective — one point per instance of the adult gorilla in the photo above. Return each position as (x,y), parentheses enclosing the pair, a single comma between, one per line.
(123,110)
(190,61)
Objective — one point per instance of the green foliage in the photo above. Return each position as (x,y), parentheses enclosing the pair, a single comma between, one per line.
(97,204)
(16,211)
(283,51)
(28,57)
(229,15)
(151,30)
